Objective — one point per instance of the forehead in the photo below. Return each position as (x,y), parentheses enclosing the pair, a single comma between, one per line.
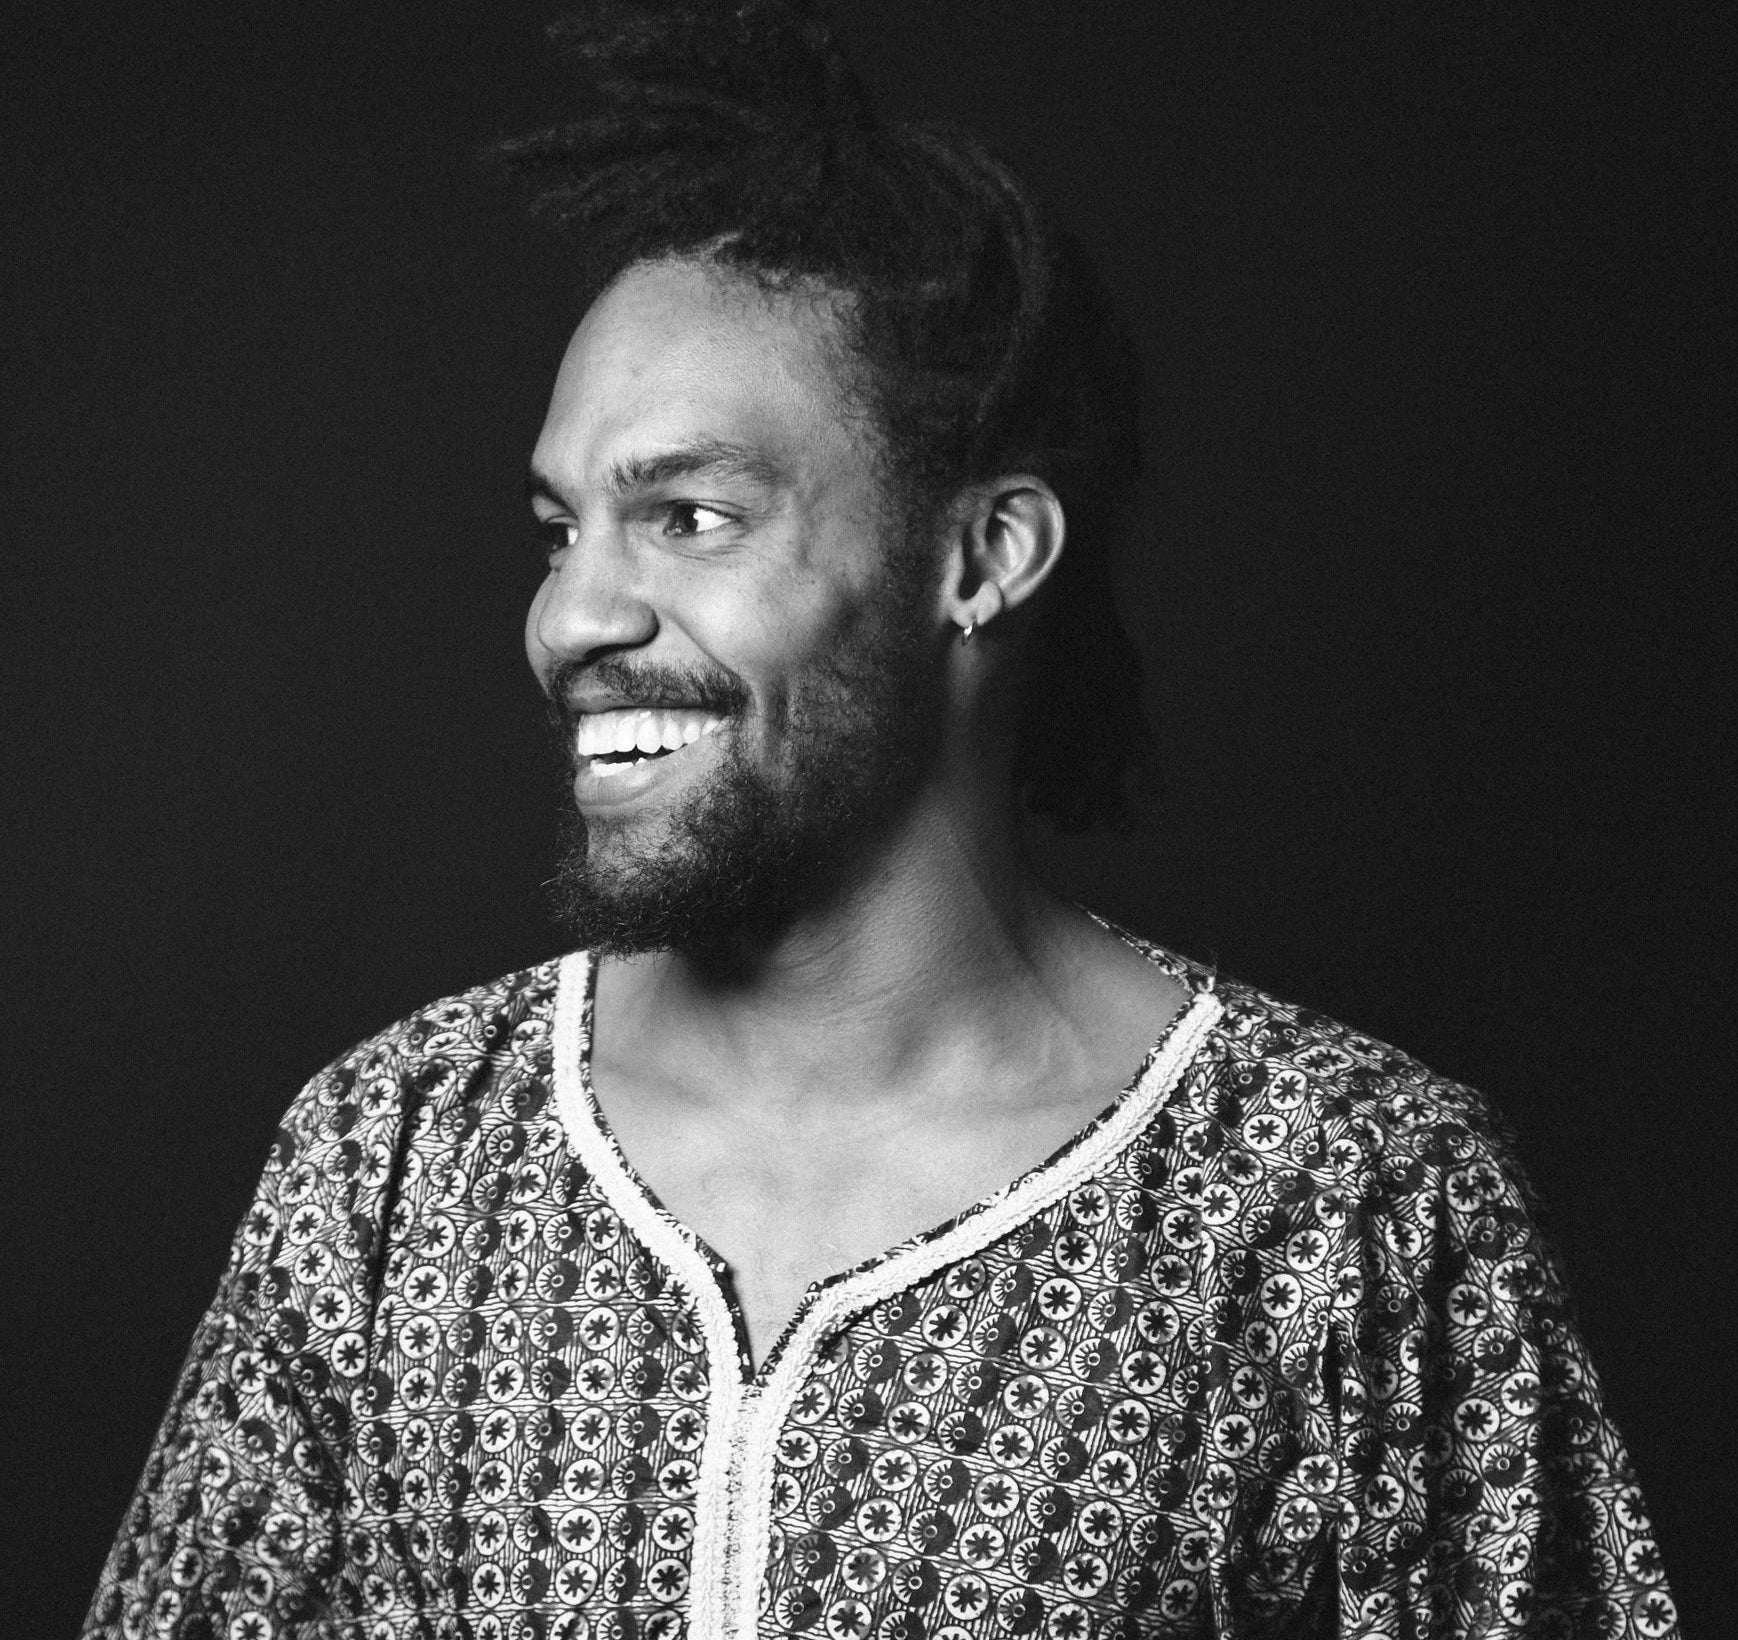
(675,351)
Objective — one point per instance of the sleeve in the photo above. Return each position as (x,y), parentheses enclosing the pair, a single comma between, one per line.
(1482,1489)
(234,1531)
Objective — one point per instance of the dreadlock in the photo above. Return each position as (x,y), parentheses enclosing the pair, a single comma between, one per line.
(983,339)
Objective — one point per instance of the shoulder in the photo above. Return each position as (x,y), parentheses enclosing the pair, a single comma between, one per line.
(1284,1070)
(359,1148)
(491,1038)
(1329,1131)
(1324,1121)
(1286,1077)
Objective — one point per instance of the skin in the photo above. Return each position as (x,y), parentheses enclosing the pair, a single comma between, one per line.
(936,1022)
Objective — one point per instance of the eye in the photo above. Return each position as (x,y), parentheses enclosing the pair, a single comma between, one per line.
(693,518)
(552,535)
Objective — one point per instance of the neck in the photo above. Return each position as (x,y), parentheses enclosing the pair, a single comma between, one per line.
(935,949)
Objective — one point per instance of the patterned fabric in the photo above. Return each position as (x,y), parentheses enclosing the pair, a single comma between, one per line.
(1271,1347)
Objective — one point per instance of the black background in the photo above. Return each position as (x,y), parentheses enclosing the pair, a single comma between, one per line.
(1435,304)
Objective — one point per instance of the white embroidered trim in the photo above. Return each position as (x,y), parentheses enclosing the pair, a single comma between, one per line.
(914,1264)
(714,1568)
(733,1502)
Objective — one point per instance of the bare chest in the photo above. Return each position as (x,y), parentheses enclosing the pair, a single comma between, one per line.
(789,1204)
(793,1179)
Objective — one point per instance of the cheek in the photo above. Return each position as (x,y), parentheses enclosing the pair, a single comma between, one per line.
(863,664)
(803,652)
(767,630)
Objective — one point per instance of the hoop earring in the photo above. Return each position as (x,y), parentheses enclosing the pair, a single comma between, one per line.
(968,629)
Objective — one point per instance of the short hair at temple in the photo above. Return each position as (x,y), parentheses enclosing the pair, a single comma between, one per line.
(983,339)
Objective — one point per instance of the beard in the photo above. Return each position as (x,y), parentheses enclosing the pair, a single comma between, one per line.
(751,848)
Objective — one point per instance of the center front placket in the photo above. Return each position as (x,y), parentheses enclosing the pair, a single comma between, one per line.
(747,1410)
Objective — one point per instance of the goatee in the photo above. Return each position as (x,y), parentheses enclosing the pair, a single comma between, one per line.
(751,848)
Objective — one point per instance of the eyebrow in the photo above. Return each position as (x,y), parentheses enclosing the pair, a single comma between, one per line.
(702,458)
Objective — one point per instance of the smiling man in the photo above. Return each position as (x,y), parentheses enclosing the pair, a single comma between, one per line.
(793,795)
(730,645)
(852,1236)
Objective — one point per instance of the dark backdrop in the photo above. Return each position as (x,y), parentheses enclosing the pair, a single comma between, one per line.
(1433,301)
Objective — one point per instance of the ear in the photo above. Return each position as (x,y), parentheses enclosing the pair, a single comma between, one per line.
(1007,538)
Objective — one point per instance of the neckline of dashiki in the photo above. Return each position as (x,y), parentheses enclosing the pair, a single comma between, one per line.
(747,1410)
(688,1254)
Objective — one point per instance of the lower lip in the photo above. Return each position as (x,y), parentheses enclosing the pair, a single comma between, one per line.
(623,786)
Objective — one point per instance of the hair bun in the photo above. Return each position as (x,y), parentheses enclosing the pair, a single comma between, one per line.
(764,68)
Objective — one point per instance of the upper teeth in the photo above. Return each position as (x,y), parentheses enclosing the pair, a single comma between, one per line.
(654,731)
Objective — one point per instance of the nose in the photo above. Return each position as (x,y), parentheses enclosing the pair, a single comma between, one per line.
(590,604)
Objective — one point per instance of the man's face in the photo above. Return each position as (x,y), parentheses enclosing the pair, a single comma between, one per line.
(744,685)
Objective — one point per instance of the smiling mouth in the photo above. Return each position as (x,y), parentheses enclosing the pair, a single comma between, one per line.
(610,743)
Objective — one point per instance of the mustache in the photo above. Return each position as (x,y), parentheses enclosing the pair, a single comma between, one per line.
(645,683)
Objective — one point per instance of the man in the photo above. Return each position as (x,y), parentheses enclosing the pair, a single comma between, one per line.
(853,1237)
